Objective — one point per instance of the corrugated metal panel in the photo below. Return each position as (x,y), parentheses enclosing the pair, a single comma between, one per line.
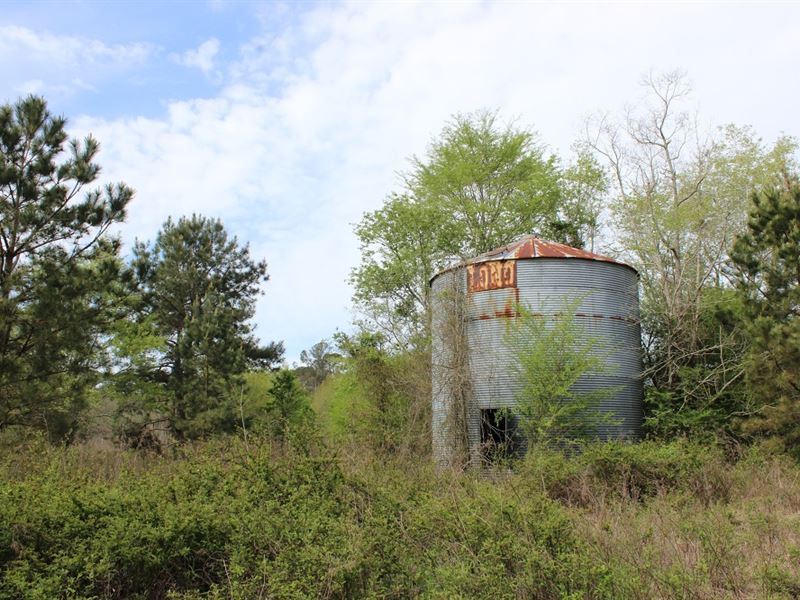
(604,299)
(492,304)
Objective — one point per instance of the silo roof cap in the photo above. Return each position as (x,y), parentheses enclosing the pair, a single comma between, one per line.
(533,247)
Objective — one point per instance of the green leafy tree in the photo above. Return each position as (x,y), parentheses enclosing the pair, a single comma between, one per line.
(550,355)
(197,289)
(494,182)
(319,361)
(389,395)
(59,271)
(481,185)
(768,260)
(584,185)
(681,195)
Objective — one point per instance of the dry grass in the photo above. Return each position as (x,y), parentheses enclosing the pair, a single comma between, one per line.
(680,545)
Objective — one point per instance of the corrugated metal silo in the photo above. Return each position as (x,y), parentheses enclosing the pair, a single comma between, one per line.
(472,364)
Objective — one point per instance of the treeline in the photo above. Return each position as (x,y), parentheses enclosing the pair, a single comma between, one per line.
(156,347)
(159,346)
(259,488)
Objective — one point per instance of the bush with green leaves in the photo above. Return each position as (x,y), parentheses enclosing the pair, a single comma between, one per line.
(550,354)
(386,395)
(265,520)
(230,518)
(623,471)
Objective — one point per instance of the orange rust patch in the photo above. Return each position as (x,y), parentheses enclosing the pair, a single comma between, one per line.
(492,275)
(509,311)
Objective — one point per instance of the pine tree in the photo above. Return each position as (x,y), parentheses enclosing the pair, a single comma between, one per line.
(197,292)
(58,269)
(288,403)
(768,259)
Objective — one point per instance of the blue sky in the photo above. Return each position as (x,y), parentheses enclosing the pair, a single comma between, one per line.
(142,80)
(288,121)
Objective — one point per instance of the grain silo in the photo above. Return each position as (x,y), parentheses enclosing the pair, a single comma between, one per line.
(472,374)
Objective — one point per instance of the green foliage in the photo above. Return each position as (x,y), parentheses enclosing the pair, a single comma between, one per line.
(584,184)
(494,182)
(288,406)
(388,408)
(257,384)
(229,519)
(319,362)
(59,272)
(190,341)
(768,262)
(550,355)
(681,196)
(336,403)
(626,471)
(283,526)
(481,185)
(708,397)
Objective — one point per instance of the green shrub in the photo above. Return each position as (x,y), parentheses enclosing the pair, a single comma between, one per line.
(230,518)
(265,520)
(629,471)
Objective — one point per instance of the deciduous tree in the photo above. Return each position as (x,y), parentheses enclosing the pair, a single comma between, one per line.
(681,196)
(549,356)
(481,184)
(318,362)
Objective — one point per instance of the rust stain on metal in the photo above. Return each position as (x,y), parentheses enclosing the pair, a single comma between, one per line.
(624,319)
(491,275)
(509,311)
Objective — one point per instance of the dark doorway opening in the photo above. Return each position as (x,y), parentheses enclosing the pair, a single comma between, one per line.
(498,434)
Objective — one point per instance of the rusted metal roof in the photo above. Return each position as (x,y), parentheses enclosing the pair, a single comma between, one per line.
(533,247)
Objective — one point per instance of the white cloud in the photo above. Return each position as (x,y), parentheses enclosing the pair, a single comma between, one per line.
(313,123)
(63,64)
(201,57)
(31,86)
(20,42)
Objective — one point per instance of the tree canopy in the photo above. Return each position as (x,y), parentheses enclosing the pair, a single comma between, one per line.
(680,197)
(481,185)
(59,270)
(196,292)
